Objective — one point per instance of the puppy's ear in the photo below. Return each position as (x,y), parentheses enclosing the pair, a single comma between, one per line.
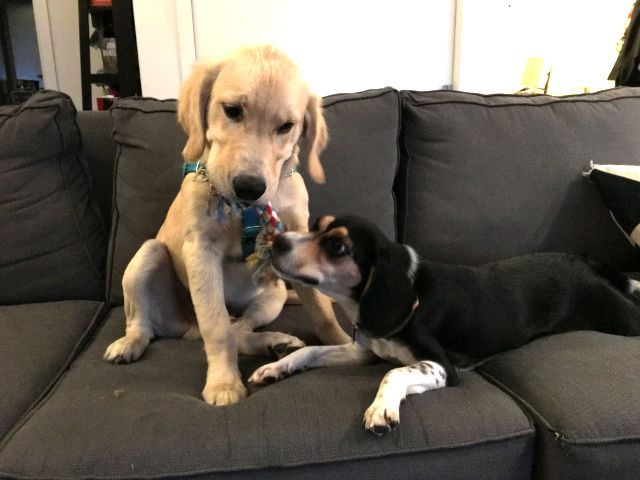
(314,138)
(193,105)
(389,297)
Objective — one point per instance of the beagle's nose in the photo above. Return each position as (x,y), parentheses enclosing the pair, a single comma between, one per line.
(281,245)
(248,187)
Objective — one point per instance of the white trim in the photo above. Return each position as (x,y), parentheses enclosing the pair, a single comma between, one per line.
(457,45)
(45,44)
(163,54)
(186,39)
(632,172)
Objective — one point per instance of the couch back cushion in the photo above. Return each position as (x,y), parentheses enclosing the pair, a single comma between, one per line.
(53,240)
(360,162)
(99,150)
(147,178)
(486,177)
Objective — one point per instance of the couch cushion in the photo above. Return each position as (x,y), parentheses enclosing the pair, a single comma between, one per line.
(360,164)
(53,239)
(361,158)
(38,342)
(100,152)
(494,176)
(147,178)
(147,419)
(582,389)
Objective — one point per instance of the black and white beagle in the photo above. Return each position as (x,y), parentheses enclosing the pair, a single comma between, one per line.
(433,317)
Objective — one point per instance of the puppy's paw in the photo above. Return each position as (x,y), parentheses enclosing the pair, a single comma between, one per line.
(221,394)
(126,349)
(285,345)
(381,418)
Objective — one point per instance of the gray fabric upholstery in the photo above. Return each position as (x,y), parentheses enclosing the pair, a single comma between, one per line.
(361,158)
(148,419)
(147,178)
(53,240)
(480,177)
(38,342)
(99,150)
(294,321)
(582,390)
(495,176)
(360,164)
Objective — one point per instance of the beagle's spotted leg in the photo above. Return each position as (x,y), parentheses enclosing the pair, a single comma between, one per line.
(384,413)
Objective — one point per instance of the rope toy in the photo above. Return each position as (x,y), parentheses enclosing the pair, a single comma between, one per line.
(260,260)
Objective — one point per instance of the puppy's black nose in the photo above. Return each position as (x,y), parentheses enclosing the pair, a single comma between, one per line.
(248,187)
(281,245)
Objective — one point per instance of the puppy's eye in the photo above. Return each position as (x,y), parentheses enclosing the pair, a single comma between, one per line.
(233,112)
(336,248)
(284,128)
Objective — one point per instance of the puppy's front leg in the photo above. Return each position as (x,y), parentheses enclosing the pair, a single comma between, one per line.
(384,413)
(204,271)
(323,318)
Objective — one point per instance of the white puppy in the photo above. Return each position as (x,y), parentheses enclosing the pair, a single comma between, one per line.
(248,118)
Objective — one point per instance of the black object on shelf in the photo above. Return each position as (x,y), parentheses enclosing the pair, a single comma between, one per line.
(13,90)
(626,70)
(111,22)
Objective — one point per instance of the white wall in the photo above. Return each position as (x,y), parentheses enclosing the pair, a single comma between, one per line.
(340,45)
(350,45)
(166,49)
(58,32)
(575,37)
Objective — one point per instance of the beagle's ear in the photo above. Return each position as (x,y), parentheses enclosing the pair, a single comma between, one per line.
(314,138)
(193,105)
(388,298)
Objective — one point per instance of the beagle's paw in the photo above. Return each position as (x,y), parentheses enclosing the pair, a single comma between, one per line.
(381,417)
(221,394)
(126,349)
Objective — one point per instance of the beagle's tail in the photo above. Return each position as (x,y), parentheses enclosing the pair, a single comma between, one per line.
(633,287)
(623,283)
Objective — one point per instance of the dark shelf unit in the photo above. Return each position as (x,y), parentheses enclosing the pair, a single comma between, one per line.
(127,80)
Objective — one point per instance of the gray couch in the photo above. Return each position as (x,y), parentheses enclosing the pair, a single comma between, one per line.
(462,177)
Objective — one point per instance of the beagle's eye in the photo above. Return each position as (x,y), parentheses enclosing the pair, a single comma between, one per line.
(233,112)
(284,128)
(335,247)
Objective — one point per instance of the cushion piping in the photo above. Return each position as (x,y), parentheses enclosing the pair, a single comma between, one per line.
(545,423)
(330,100)
(552,100)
